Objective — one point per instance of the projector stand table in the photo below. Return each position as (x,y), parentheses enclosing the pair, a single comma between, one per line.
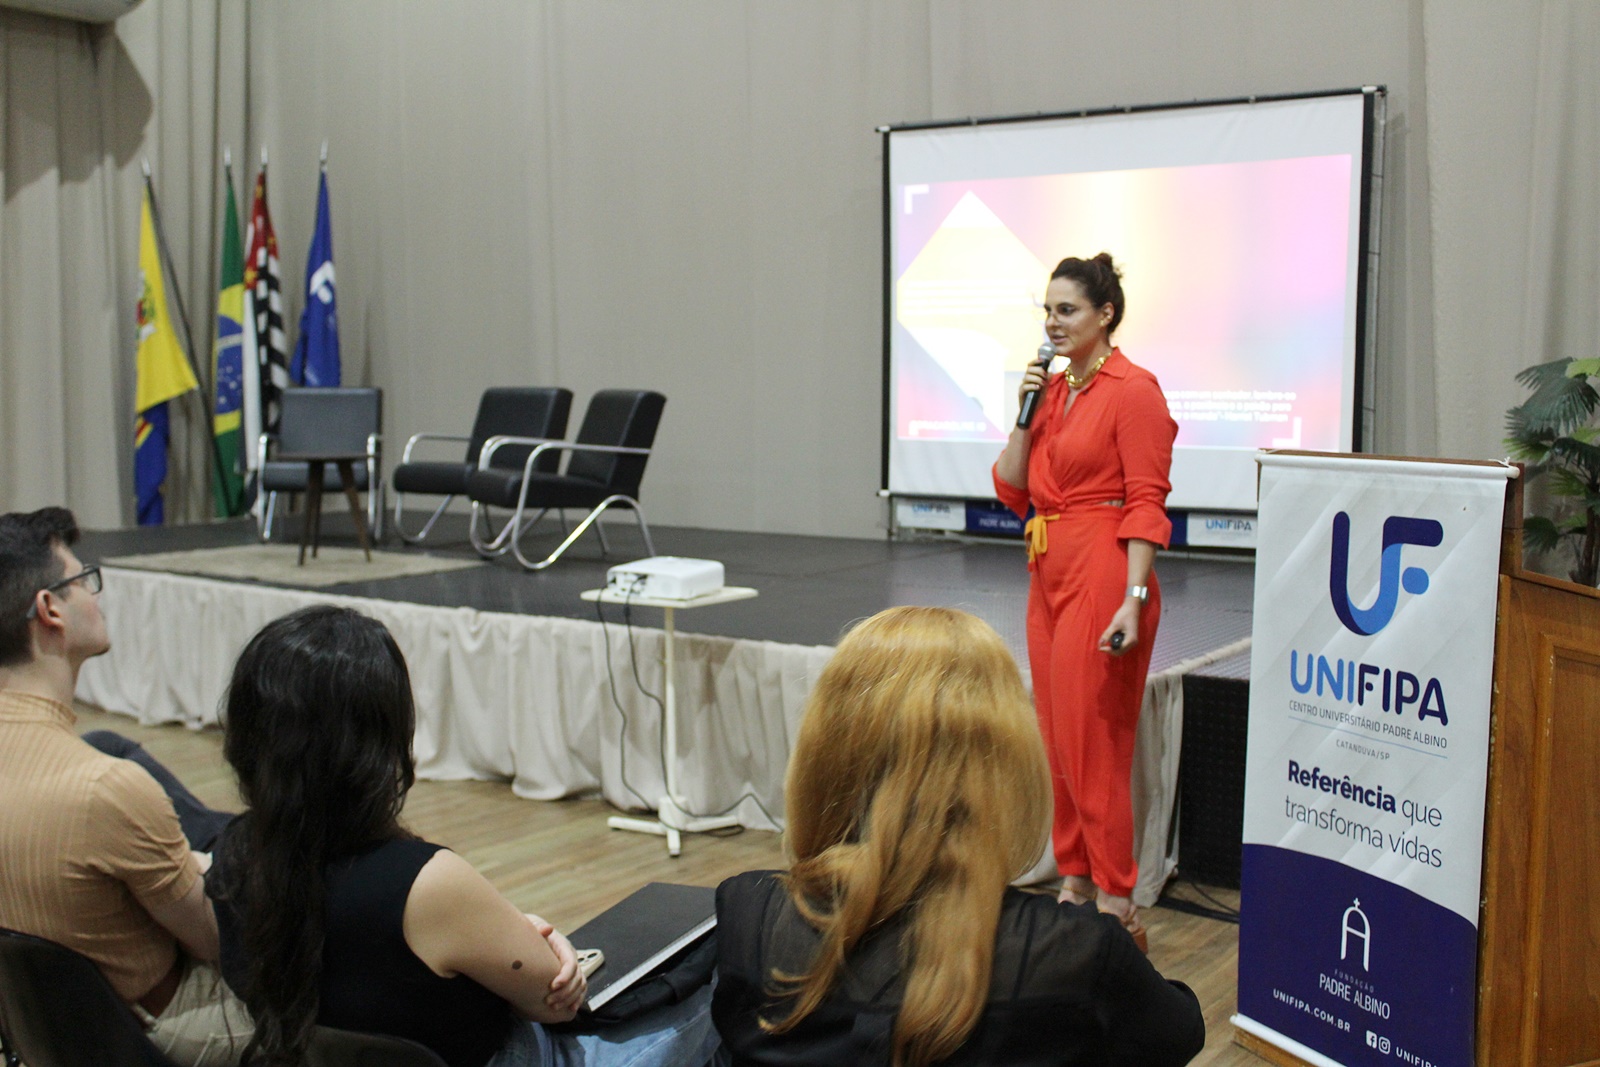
(671,819)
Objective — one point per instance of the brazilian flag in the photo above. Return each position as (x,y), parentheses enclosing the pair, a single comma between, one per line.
(228,368)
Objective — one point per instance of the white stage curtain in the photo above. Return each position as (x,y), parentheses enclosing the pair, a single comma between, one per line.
(1516,239)
(81,109)
(518,697)
(60,385)
(1155,771)
(1155,784)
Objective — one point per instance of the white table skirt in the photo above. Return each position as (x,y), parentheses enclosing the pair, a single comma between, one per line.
(499,696)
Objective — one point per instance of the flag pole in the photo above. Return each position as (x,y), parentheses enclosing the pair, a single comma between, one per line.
(177,293)
(172,272)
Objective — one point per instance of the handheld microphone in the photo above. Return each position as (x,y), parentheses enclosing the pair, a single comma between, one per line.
(1030,399)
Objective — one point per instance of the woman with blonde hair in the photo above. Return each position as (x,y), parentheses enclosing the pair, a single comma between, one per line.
(918,789)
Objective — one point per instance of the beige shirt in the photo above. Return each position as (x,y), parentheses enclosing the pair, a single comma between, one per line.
(88,843)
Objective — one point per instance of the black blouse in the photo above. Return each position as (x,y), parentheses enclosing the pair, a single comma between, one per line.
(1068,987)
(371,980)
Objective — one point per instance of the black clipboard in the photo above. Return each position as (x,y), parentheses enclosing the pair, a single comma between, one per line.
(641,932)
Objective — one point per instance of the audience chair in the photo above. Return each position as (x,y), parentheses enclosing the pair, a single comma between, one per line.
(331,420)
(605,467)
(533,412)
(346,1048)
(58,1010)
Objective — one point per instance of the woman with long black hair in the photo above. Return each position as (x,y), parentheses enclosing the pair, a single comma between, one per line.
(331,913)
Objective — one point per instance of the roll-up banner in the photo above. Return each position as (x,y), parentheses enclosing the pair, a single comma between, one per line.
(1367,757)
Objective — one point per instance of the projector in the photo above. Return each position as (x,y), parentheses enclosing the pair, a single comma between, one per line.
(665,577)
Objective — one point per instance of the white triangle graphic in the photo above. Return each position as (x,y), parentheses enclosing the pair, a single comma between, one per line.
(970,213)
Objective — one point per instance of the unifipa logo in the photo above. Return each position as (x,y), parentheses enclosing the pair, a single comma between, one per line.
(1398,531)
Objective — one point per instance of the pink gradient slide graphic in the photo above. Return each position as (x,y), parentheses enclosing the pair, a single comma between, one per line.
(1236,277)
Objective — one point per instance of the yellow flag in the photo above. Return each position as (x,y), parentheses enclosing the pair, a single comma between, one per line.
(163,372)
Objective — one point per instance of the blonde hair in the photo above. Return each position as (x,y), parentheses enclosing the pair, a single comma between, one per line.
(918,784)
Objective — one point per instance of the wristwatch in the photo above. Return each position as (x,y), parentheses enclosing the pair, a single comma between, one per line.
(1141,593)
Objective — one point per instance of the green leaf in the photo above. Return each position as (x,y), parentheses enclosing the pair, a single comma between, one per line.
(1554,430)
(1537,375)
(1567,484)
(1558,405)
(1531,450)
(1517,424)
(1573,524)
(1539,534)
(1523,437)
(1561,399)
(1572,453)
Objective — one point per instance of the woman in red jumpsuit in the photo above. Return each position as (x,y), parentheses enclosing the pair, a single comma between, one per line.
(1094,466)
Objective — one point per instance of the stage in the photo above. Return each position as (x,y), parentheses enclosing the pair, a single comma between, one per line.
(518,679)
(811,587)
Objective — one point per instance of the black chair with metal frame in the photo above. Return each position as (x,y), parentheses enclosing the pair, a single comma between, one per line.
(58,1010)
(604,471)
(347,1048)
(534,412)
(326,420)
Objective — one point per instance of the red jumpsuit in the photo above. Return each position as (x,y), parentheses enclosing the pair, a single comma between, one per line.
(1097,476)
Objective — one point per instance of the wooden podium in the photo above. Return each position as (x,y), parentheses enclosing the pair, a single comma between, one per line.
(1539,925)
(1539,931)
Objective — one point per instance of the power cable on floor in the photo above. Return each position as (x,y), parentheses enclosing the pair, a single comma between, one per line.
(1217,910)
(622,753)
(661,744)
(633,654)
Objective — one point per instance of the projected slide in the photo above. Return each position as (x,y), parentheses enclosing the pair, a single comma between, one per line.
(1255,373)
(1239,275)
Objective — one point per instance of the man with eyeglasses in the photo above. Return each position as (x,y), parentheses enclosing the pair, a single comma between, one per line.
(92,851)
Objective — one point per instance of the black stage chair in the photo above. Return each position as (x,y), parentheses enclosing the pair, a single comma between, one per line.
(346,1048)
(328,420)
(532,412)
(607,464)
(58,1010)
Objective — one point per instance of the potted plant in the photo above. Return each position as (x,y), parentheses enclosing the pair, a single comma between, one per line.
(1555,432)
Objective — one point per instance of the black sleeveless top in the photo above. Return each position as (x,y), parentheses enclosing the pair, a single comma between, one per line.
(371,980)
(1068,988)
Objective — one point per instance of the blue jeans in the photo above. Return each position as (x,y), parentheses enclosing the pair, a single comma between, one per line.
(680,1035)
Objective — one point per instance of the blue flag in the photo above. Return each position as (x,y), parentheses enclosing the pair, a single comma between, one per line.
(316,354)
(151,436)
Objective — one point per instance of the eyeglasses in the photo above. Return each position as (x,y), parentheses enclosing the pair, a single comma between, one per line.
(89,576)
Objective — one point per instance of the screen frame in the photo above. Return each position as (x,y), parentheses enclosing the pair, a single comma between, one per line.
(1367,237)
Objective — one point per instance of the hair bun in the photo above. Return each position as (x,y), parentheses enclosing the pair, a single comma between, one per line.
(1104,259)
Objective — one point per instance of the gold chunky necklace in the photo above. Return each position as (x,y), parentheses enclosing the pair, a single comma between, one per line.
(1078,383)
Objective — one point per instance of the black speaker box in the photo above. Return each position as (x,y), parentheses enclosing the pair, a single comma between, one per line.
(1211,779)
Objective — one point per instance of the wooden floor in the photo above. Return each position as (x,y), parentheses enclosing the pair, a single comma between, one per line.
(560,860)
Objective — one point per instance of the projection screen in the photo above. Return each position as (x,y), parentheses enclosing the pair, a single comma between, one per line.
(1239,229)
